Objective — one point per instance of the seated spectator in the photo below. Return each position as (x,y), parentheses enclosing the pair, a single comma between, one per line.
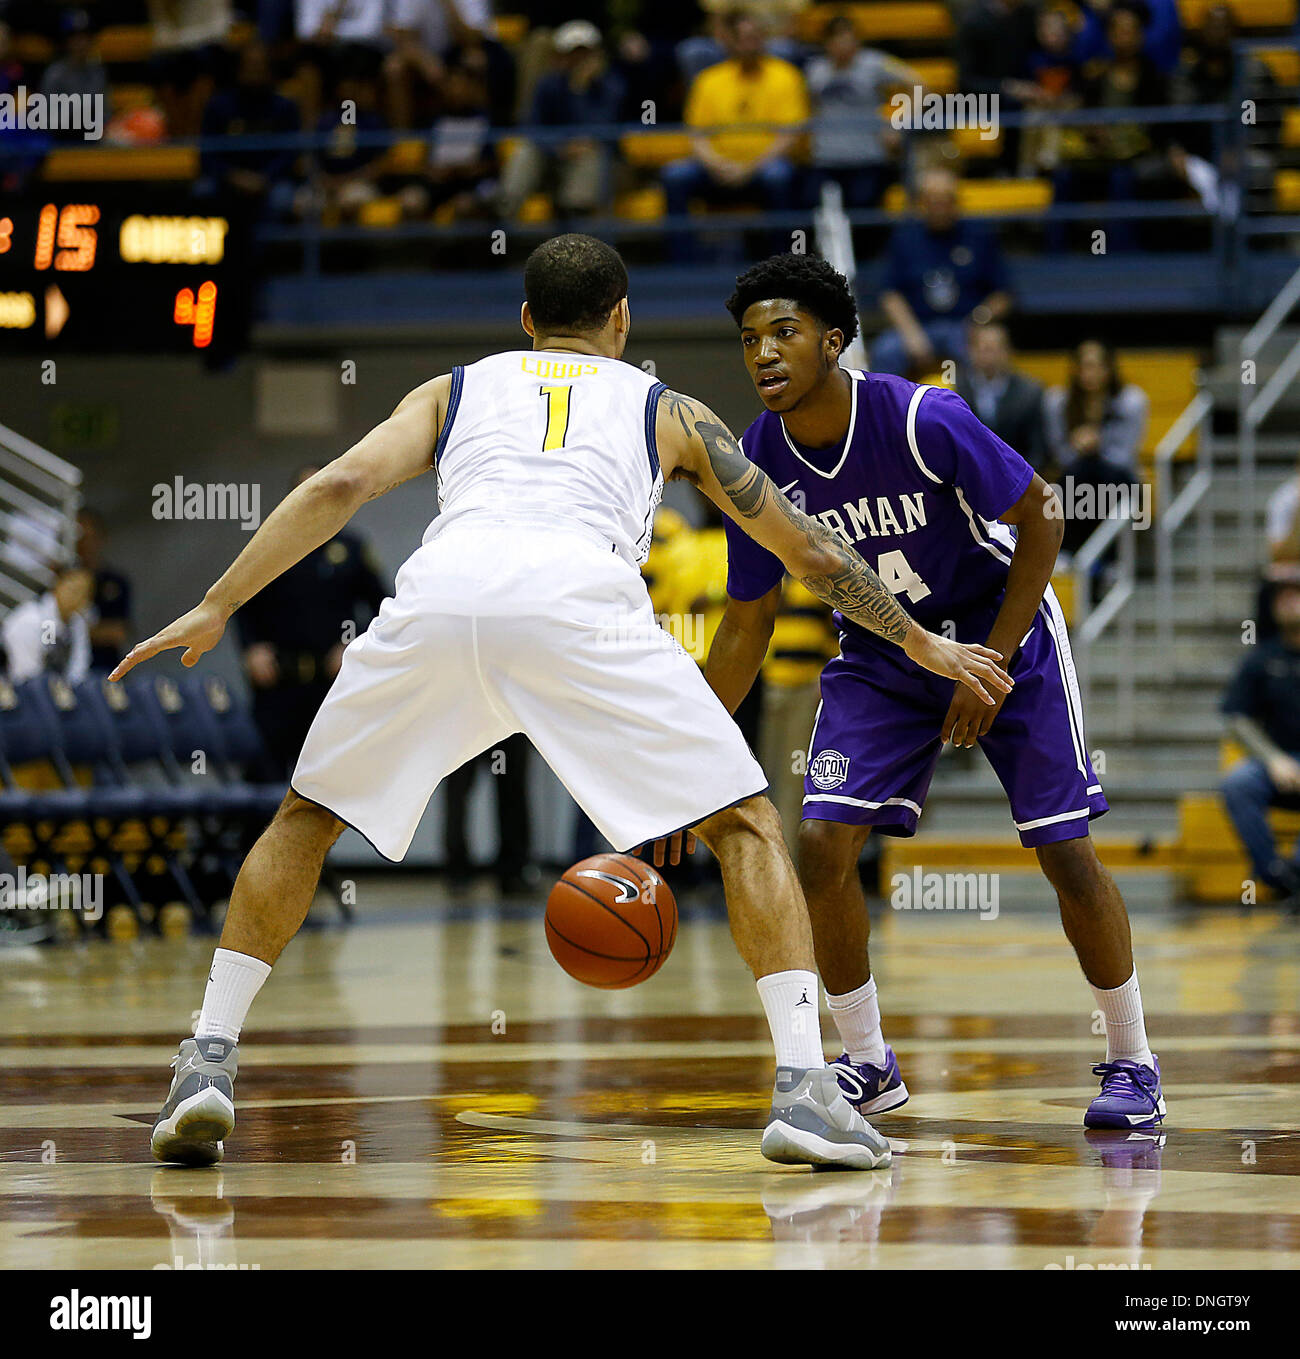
(749,88)
(1009,403)
(1097,414)
(51,633)
(851,143)
(1160,21)
(1262,706)
(1052,84)
(261,180)
(349,167)
(460,181)
(188,56)
(110,606)
(1115,161)
(337,36)
(78,72)
(941,273)
(427,34)
(993,45)
(1095,427)
(582,91)
(646,56)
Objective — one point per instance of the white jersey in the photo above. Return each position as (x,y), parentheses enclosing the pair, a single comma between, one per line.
(554,435)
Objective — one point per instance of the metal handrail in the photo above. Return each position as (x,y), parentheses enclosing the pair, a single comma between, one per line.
(835,241)
(1254,404)
(1172,509)
(34,479)
(1092,620)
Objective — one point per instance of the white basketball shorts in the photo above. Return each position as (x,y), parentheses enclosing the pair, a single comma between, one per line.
(503,626)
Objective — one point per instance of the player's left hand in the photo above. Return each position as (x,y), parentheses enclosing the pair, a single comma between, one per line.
(969,717)
(197,631)
(672,846)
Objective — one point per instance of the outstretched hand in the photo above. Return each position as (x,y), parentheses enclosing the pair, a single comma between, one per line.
(671,845)
(967,664)
(197,631)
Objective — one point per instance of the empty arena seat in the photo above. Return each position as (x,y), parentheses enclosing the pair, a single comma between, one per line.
(1286,191)
(122,43)
(511,28)
(1291,127)
(1212,862)
(654,150)
(905,20)
(121,164)
(1248,13)
(1283,63)
(937,73)
(986,197)
(642,205)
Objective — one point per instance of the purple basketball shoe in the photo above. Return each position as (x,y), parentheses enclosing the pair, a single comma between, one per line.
(870,1089)
(1130,1096)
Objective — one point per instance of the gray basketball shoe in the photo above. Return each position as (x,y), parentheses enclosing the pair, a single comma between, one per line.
(811,1123)
(200,1107)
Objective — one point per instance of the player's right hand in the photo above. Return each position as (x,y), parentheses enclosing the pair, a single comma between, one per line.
(967,664)
(197,631)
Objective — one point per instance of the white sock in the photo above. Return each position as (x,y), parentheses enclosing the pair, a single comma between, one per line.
(1126,1031)
(233,982)
(857,1017)
(790,1003)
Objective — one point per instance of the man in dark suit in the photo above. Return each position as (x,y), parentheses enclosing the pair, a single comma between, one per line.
(1009,403)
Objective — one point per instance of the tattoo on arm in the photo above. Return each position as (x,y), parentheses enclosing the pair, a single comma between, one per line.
(850,586)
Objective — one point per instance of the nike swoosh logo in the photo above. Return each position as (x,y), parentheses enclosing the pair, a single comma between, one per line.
(626,887)
(790,486)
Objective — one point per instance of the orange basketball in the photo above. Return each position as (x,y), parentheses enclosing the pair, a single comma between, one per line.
(611,921)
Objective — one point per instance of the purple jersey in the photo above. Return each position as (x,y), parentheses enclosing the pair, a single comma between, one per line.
(913,487)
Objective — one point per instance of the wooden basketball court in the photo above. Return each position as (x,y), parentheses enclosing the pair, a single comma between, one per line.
(427,1088)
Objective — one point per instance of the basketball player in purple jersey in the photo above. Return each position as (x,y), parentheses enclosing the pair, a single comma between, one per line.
(910,478)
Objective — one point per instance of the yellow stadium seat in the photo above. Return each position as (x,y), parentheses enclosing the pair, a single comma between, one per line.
(906,19)
(32,49)
(1063,588)
(1005,853)
(972,145)
(987,196)
(537,208)
(937,73)
(1214,865)
(380,213)
(125,42)
(1291,128)
(1282,62)
(406,157)
(642,205)
(512,28)
(1286,190)
(1248,13)
(124,98)
(122,163)
(654,150)
(1230,752)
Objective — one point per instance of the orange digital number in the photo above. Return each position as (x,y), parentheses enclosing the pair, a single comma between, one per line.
(200,312)
(6,234)
(72,229)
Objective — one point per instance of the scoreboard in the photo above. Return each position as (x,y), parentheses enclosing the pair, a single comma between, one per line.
(92,274)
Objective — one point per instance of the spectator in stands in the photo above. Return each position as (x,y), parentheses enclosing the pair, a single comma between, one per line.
(461,178)
(188,40)
(1095,428)
(337,36)
(1008,402)
(1162,28)
(293,634)
(426,35)
(775,18)
(1262,706)
(583,90)
(110,605)
(1097,413)
(942,272)
(349,168)
(507,768)
(1115,160)
(803,640)
(51,633)
(1052,84)
(261,180)
(78,72)
(750,88)
(646,56)
(851,143)
(15,168)
(994,42)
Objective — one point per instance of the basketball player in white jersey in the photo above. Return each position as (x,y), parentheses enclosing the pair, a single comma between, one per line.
(524,610)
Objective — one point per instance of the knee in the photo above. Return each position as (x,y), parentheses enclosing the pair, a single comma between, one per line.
(828,855)
(309,818)
(755,818)
(1243,782)
(1071,866)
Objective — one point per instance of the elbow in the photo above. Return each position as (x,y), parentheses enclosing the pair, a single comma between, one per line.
(337,487)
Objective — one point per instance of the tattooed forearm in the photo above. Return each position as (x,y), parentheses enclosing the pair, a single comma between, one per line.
(746,487)
(858,593)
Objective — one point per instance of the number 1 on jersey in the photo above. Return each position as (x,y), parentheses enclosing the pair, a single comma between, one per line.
(557,416)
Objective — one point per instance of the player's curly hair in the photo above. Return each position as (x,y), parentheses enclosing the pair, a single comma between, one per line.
(572,283)
(808,280)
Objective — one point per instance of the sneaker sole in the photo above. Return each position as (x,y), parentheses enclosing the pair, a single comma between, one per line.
(1113,1121)
(194,1134)
(790,1146)
(882,1104)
